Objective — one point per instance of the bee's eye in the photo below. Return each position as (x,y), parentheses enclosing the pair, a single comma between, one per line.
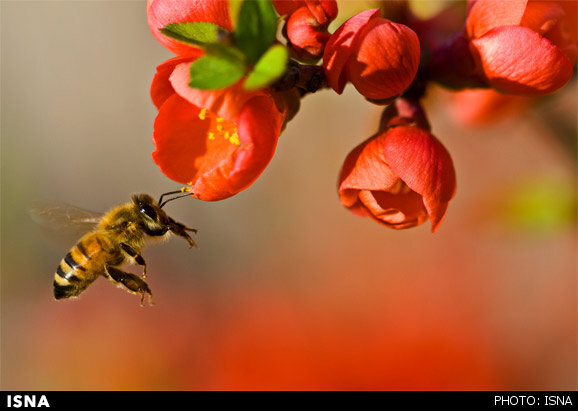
(149,211)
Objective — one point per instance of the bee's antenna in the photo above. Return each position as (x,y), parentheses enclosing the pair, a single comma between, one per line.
(182,190)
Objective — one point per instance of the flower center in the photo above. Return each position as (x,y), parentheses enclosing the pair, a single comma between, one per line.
(220,128)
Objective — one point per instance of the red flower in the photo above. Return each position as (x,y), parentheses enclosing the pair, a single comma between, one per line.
(163,12)
(401,176)
(379,57)
(523,47)
(217,141)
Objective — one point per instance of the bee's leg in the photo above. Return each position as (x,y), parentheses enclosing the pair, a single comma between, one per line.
(181,230)
(137,257)
(133,283)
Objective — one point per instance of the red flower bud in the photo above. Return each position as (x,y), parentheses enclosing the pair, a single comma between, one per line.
(324,11)
(217,141)
(401,176)
(379,57)
(307,37)
(523,47)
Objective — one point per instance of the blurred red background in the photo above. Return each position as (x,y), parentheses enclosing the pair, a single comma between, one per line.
(288,289)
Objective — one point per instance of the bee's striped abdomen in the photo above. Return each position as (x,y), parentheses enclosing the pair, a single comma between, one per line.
(75,273)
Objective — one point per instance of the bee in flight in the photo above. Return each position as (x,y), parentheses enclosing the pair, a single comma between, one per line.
(118,236)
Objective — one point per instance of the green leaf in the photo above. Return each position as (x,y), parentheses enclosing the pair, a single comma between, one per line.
(196,33)
(268,69)
(256,28)
(213,72)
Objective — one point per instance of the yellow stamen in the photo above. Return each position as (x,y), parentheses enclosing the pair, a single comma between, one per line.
(235,139)
(219,126)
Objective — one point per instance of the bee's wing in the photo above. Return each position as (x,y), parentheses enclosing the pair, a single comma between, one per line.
(57,215)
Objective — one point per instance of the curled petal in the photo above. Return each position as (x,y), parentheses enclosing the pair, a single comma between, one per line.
(341,45)
(365,168)
(402,210)
(259,128)
(518,60)
(163,12)
(161,87)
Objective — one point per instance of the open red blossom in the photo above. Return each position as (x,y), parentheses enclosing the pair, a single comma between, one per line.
(379,57)
(523,47)
(401,176)
(216,141)
(163,12)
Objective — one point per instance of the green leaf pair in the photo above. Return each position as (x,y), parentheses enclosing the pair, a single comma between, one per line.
(253,52)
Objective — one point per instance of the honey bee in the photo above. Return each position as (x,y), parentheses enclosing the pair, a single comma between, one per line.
(117,237)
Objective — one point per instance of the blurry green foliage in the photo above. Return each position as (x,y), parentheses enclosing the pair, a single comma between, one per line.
(541,205)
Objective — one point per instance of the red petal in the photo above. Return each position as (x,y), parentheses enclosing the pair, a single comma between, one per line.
(402,210)
(425,165)
(365,168)
(259,126)
(485,15)
(386,60)
(518,60)
(341,45)
(163,12)
(180,137)
(161,88)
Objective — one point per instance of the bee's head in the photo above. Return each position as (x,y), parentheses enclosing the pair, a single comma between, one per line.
(153,217)
(154,221)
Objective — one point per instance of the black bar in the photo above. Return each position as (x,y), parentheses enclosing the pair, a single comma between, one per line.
(388,400)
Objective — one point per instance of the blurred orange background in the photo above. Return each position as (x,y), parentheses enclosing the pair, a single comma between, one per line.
(288,289)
